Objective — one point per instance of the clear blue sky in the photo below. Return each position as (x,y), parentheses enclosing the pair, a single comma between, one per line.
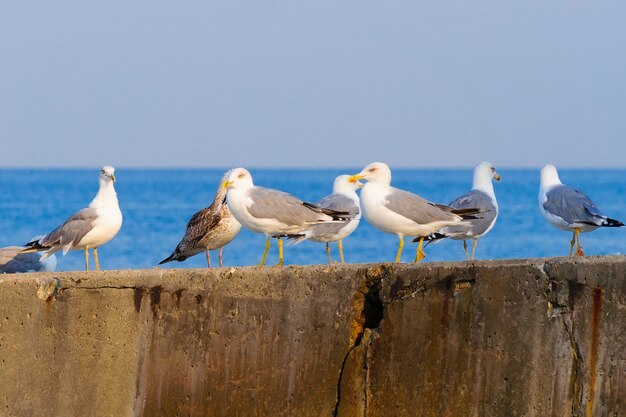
(312,83)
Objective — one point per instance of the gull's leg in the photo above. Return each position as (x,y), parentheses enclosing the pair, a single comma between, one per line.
(95,257)
(340,246)
(328,252)
(280,252)
(419,254)
(579,249)
(208,258)
(467,257)
(572,242)
(400,246)
(219,255)
(474,249)
(86,259)
(267,248)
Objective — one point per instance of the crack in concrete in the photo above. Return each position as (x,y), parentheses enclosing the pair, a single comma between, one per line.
(559,308)
(372,312)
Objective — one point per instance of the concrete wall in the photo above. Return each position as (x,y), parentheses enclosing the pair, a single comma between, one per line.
(505,338)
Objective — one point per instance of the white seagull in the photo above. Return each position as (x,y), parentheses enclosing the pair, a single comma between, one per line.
(569,209)
(403,213)
(481,197)
(343,199)
(272,212)
(88,228)
(211,228)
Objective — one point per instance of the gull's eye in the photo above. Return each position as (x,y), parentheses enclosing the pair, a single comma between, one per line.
(241,175)
(373,169)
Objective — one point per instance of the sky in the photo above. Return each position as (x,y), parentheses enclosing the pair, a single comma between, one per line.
(214,84)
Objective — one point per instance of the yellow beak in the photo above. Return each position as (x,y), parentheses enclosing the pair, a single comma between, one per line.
(355,178)
(113,178)
(497,176)
(227,184)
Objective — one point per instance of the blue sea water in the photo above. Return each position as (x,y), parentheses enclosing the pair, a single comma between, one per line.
(157,203)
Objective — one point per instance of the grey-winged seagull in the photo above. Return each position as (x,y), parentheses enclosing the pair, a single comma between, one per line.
(211,228)
(481,197)
(88,228)
(272,212)
(403,213)
(343,199)
(569,209)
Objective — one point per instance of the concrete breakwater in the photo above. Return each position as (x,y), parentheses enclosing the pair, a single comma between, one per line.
(493,338)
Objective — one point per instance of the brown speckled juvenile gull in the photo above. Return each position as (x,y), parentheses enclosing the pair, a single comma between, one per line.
(211,228)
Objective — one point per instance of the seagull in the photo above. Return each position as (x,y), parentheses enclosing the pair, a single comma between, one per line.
(211,228)
(274,213)
(569,209)
(403,213)
(13,261)
(344,199)
(480,197)
(88,228)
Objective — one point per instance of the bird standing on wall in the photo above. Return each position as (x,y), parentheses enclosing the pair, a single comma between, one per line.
(274,213)
(211,228)
(403,213)
(343,199)
(88,228)
(569,209)
(481,197)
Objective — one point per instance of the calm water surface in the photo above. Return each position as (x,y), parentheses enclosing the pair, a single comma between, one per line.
(157,204)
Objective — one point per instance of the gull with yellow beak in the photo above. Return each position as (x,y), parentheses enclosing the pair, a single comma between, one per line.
(88,228)
(274,213)
(481,197)
(403,213)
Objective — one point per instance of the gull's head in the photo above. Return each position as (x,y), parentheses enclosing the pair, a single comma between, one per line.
(488,171)
(238,178)
(377,172)
(107,173)
(342,184)
(549,176)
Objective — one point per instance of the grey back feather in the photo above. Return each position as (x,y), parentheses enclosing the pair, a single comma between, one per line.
(287,209)
(572,206)
(479,200)
(72,230)
(416,208)
(339,202)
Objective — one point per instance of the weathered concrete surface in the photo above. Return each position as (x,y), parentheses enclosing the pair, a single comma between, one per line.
(506,338)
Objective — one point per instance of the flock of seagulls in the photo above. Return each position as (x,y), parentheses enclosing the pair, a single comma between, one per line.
(278,215)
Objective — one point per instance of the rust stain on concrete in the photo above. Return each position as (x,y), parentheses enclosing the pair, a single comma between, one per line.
(597,298)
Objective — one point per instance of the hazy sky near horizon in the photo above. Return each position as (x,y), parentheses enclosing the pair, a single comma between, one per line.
(316,83)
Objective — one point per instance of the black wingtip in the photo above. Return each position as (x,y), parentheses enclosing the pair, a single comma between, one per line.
(612,223)
(34,246)
(431,237)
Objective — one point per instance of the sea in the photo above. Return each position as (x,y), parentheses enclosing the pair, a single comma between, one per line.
(157,203)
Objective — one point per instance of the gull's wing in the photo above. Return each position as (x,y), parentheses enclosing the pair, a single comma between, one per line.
(285,208)
(420,210)
(476,199)
(70,232)
(572,206)
(339,202)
